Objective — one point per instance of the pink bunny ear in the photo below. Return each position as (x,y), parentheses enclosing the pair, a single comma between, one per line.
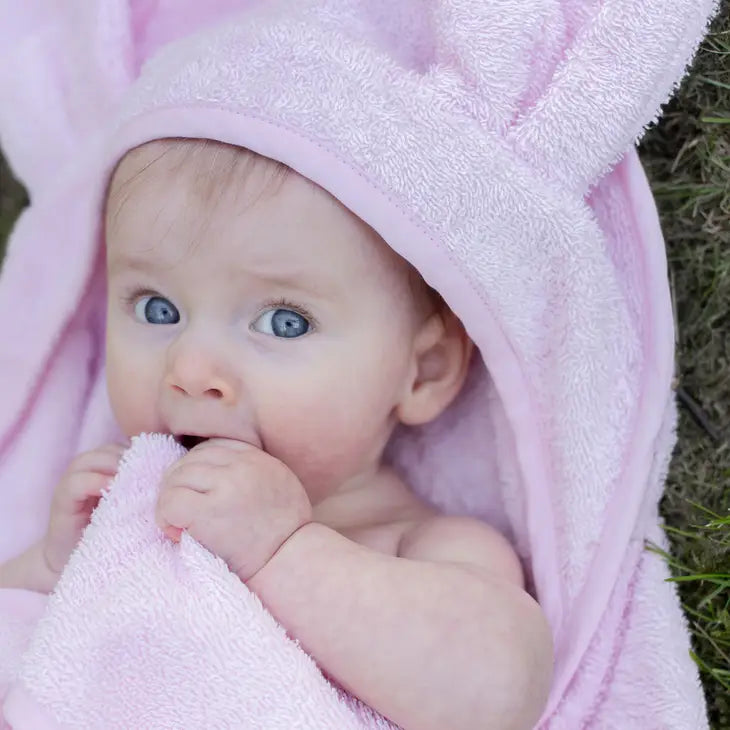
(63,65)
(623,64)
(504,51)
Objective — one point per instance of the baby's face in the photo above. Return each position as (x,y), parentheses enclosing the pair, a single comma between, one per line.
(276,318)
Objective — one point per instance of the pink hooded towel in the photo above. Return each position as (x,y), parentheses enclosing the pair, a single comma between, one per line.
(492,145)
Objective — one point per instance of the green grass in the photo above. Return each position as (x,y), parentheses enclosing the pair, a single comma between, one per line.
(687,159)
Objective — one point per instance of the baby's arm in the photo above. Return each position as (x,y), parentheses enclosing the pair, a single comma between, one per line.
(441,636)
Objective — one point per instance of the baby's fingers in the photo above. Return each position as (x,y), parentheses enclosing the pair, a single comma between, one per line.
(104,460)
(176,509)
(197,476)
(85,484)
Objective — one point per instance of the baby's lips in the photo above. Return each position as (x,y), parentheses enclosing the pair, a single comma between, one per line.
(194,441)
(228,443)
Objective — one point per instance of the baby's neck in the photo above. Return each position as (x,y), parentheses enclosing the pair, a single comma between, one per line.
(378,497)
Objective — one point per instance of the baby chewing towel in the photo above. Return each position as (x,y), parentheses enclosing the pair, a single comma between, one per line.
(489,143)
(144,633)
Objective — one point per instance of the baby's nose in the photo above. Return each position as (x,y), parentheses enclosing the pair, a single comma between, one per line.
(196,373)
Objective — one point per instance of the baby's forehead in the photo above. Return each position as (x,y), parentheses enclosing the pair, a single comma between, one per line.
(170,190)
(211,170)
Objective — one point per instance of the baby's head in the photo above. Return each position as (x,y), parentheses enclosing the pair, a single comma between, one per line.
(246,302)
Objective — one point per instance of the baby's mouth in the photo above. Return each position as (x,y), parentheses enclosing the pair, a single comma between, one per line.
(188,441)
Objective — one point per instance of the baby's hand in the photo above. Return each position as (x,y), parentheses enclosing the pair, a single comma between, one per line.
(236,500)
(75,498)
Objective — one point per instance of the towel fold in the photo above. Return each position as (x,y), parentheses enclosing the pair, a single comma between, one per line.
(142,632)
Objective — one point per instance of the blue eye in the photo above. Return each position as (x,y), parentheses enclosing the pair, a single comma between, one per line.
(282,323)
(156,310)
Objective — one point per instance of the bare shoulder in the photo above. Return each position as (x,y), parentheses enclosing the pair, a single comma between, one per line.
(464,540)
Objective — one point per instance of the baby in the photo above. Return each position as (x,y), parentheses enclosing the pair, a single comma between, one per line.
(281,341)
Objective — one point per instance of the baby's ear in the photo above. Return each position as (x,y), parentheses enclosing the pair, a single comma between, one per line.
(441,354)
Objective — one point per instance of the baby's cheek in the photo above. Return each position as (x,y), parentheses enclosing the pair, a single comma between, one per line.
(131,394)
(326,442)
(312,448)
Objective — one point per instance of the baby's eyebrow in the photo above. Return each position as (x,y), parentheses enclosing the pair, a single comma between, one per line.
(134,262)
(306,281)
